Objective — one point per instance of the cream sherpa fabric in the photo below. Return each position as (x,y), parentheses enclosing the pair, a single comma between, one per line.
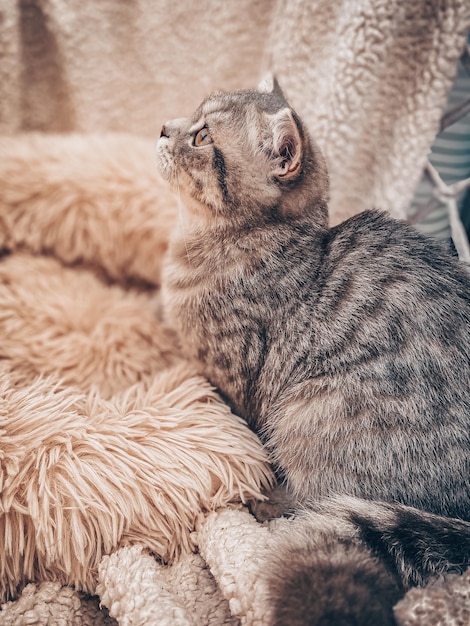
(50,604)
(138,590)
(236,549)
(369,76)
(239,565)
(371,79)
(446,603)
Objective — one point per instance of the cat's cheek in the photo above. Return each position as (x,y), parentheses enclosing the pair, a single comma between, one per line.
(197,196)
(192,204)
(165,161)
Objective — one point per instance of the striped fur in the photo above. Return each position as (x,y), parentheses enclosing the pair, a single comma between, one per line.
(346,348)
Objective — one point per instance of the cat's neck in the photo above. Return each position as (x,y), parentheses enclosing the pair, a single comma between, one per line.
(300,205)
(206,249)
(201,235)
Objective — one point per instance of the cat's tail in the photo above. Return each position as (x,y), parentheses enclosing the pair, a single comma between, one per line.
(349,561)
(416,545)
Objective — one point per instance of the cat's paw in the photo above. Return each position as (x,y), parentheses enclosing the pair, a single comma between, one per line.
(280,503)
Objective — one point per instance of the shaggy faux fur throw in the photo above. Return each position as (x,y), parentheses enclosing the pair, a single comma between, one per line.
(370,77)
(122,473)
(107,437)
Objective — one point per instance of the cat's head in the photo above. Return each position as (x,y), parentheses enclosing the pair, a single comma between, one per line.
(245,155)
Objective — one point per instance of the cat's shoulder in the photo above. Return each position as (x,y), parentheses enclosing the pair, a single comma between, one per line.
(374,244)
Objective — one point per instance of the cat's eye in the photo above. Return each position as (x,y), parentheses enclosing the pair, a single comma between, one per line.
(202,137)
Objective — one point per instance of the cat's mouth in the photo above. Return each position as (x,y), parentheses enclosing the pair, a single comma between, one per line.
(164,160)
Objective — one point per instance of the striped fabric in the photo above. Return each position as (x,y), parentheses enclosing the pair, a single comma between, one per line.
(451,157)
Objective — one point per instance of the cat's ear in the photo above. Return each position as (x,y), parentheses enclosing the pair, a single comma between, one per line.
(287,145)
(269,84)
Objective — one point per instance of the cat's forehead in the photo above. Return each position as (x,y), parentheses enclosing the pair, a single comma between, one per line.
(236,103)
(216,106)
(220,105)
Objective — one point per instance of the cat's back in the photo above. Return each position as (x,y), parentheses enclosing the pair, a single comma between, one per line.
(379,270)
(385,365)
(378,246)
(392,310)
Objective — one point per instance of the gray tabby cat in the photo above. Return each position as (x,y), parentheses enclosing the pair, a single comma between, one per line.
(347,349)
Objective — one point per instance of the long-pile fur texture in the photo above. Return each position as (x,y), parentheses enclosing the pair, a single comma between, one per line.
(82,475)
(107,437)
(93,200)
(65,322)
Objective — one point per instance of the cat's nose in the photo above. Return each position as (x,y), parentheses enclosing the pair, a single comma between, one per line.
(171,128)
